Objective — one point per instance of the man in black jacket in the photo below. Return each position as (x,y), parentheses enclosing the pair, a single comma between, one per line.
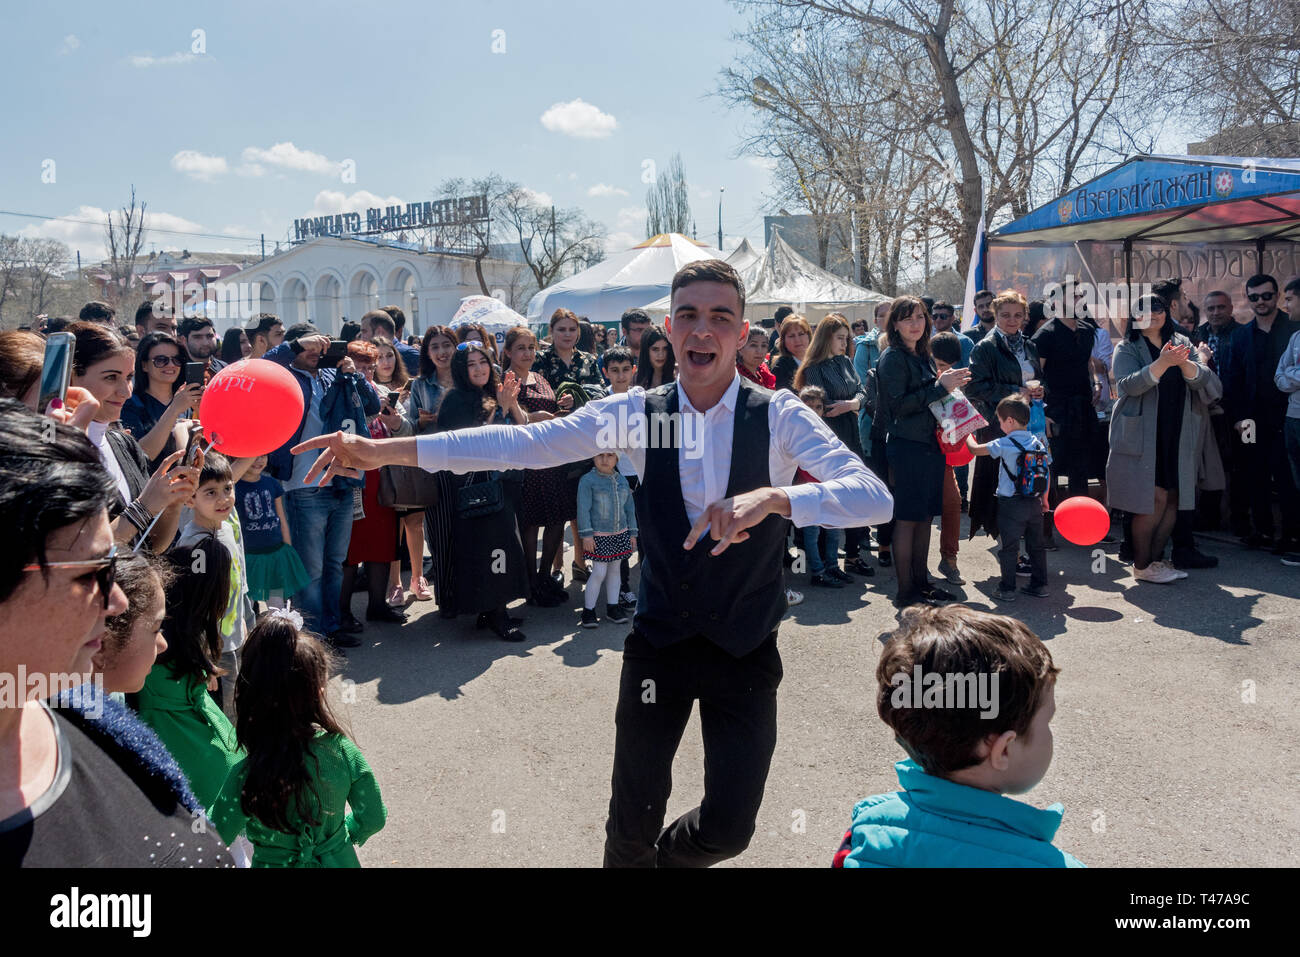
(1256,411)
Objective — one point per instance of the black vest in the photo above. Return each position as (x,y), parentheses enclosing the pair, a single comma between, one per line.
(736,599)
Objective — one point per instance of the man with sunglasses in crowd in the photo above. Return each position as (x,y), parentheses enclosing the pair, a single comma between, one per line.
(1256,409)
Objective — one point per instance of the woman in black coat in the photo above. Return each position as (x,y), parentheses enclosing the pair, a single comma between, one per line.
(907,384)
(1003,363)
(488,568)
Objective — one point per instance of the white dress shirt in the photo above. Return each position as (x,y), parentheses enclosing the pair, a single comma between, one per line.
(846,495)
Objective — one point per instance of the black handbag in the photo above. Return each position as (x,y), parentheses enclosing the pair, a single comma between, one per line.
(406,486)
(477,499)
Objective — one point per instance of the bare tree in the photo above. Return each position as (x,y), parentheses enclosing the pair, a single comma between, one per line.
(11,268)
(1246,93)
(480,234)
(1028,95)
(668,201)
(124,239)
(42,257)
(549,239)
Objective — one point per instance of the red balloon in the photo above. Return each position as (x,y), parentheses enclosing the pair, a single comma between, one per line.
(1082,520)
(250,408)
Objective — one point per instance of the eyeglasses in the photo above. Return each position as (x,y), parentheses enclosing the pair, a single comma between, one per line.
(162,362)
(105,571)
(467,343)
(1257,296)
(941,316)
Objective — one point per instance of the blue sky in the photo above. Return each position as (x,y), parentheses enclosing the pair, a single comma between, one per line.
(246,135)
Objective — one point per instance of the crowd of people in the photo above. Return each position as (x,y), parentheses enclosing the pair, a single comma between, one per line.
(193,585)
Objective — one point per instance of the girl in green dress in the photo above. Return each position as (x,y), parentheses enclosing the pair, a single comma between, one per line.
(303,793)
(174,700)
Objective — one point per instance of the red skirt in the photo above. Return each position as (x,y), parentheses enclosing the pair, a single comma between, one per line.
(374,538)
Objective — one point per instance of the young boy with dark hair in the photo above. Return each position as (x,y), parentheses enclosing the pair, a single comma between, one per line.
(970,697)
(215,516)
(1019,514)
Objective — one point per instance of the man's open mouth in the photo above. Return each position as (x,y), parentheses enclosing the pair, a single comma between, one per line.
(699,359)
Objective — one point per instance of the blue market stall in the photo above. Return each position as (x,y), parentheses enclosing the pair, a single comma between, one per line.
(1212,221)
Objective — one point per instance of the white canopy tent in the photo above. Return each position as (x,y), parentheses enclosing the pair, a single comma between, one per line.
(782,277)
(623,281)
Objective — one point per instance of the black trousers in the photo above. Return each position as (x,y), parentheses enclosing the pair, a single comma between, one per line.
(737,699)
(1261,471)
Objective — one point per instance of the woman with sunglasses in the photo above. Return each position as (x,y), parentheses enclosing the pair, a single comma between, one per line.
(60,768)
(160,400)
(1155,431)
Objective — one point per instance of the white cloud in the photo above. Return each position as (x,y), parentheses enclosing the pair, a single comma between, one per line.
(579,119)
(604,189)
(170,59)
(541,199)
(198,165)
(83,231)
(285,156)
(70,43)
(572,177)
(618,242)
(632,216)
(761,162)
(330,202)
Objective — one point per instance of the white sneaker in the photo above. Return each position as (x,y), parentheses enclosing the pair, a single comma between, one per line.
(793,597)
(1155,573)
(1177,572)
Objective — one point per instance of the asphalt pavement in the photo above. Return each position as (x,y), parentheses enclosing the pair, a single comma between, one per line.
(1176,732)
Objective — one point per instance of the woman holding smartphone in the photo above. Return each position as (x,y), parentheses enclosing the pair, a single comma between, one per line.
(160,399)
(104,365)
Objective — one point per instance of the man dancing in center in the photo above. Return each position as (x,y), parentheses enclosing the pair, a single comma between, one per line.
(709,606)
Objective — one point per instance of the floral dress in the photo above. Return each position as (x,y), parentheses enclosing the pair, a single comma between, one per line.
(583,370)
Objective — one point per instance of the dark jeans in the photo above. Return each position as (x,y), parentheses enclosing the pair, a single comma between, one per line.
(320,521)
(738,720)
(1021,516)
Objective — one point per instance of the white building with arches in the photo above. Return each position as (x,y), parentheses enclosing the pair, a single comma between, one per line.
(328,281)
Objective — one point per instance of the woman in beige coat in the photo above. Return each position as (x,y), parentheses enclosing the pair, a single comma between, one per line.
(1155,434)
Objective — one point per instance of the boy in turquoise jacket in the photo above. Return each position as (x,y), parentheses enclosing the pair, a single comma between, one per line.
(970,697)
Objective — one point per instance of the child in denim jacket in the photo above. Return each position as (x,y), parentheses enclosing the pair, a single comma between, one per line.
(607,526)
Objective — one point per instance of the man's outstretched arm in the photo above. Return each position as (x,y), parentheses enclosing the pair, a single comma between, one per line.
(599,426)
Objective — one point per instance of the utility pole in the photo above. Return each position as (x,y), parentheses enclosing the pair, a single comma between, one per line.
(721,190)
(264,245)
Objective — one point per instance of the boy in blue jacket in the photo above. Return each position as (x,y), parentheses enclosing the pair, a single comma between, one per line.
(970,697)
